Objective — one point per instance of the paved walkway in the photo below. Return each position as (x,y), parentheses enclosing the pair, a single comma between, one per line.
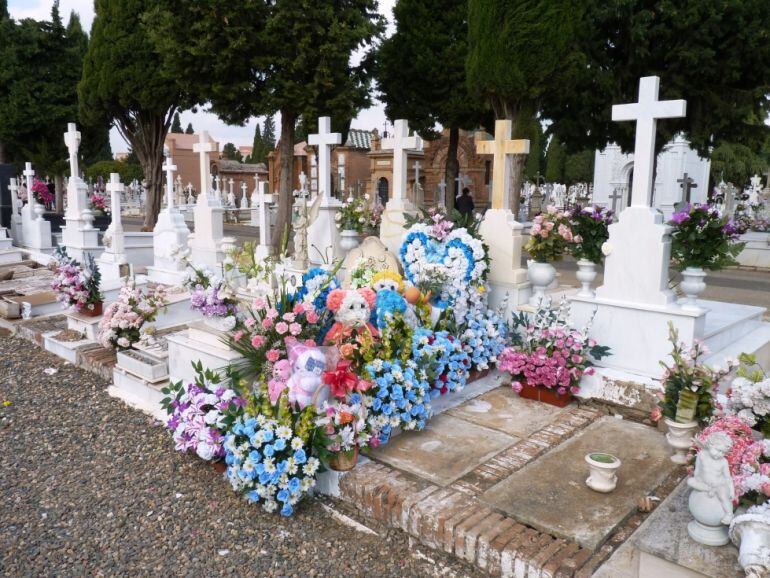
(93,488)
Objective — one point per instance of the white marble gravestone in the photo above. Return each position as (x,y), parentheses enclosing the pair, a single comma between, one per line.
(499,229)
(635,304)
(169,235)
(260,202)
(392,228)
(17,231)
(323,234)
(113,262)
(36,230)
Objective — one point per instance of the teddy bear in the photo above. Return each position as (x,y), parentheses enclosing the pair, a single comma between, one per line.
(352,309)
(307,367)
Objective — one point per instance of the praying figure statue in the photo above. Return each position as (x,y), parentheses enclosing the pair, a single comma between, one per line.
(712,473)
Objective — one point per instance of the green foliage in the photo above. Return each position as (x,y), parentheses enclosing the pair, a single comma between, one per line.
(735,163)
(268,133)
(579,167)
(176,125)
(230,152)
(555,160)
(590,230)
(533,131)
(127,171)
(749,368)
(259,149)
(189,129)
(701,237)
(713,53)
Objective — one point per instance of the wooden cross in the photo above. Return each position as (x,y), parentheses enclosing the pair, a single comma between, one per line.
(686,183)
(401,143)
(646,113)
(203,147)
(169,167)
(324,140)
(501,148)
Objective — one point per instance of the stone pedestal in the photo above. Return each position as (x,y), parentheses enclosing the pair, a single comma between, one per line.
(507,278)
(36,230)
(323,236)
(8,253)
(88,326)
(198,343)
(138,393)
(206,243)
(170,233)
(393,226)
(79,235)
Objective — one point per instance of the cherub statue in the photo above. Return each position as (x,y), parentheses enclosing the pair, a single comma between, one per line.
(712,473)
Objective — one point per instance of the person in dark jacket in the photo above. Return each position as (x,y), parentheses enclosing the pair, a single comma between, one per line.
(465,203)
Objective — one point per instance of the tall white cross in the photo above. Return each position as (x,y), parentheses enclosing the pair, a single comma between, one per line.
(502,147)
(72,140)
(401,143)
(203,147)
(14,187)
(231,182)
(324,140)
(115,188)
(417,167)
(169,167)
(442,193)
(29,175)
(646,113)
(244,196)
(261,200)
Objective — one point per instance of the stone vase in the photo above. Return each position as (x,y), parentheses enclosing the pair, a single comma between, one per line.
(602,472)
(38,209)
(679,437)
(541,275)
(586,274)
(349,239)
(693,284)
(707,527)
(750,532)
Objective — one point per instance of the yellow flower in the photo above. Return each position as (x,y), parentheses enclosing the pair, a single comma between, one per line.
(6,403)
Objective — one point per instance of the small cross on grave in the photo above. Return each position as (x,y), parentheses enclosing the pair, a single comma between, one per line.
(686,183)
(324,140)
(646,113)
(169,167)
(401,143)
(502,147)
(115,188)
(244,196)
(72,140)
(615,197)
(260,200)
(204,147)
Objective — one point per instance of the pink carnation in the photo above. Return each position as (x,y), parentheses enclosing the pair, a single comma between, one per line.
(267,323)
(273,355)
(257,341)
(281,327)
(295,329)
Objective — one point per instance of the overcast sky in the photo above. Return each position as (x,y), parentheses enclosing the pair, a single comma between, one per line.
(240,135)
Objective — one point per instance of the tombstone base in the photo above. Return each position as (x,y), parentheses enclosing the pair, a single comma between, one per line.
(11,255)
(323,236)
(80,238)
(503,235)
(88,326)
(162,276)
(186,348)
(138,393)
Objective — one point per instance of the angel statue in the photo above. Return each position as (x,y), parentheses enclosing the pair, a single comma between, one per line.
(304,216)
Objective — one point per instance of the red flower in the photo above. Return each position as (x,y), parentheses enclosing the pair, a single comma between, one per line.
(341,381)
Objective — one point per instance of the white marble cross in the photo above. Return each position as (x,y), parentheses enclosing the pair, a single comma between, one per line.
(244,196)
(169,167)
(115,188)
(203,147)
(72,140)
(401,143)
(442,193)
(29,174)
(646,113)
(417,167)
(231,182)
(502,147)
(261,200)
(324,140)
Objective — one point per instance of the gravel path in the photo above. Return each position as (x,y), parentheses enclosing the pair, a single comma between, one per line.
(91,487)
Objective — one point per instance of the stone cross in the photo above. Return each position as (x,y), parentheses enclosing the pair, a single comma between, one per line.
(29,174)
(72,140)
(218,180)
(646,113)
(115,188)
(203,147)
(324,140)
(686,183)
(442,193)
(401,143)
(261,200)
(231,182)
(244,197)
(417,167)
(502,147)
(615,197)
(169,167)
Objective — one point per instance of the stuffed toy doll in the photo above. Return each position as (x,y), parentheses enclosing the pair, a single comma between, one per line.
(352,311)
(307,367)
(387,279)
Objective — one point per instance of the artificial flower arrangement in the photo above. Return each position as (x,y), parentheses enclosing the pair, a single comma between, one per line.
(749,395)
(211,295)
(259,272)
(354,214)
(689,387)
(124,321)
(590,230)
(374,220)
(703,238)
(201,413)
(551,355)
(98,202)
(76,286)
(41,192)
(748,459)
(550,236)
(444,357)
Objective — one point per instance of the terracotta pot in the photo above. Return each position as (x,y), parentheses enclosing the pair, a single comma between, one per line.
(219,466)
(475,374)
(549,396)
(344,461)
(95,312)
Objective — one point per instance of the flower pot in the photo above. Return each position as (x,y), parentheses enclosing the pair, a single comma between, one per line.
(92,309)
(602,472)
(349,239)
(541,275)
(750,532)
(707,527)
(679,437)
(586,274)
(545,395)
(475,374)
(38,209)
(692,285)
(344,461)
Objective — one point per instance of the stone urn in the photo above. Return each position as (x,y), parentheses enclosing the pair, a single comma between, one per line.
(679,437)
(541,275)
(750,532)
(693,284)
(707,527)
(349,239)
(602,472)
(586,274)
(38,209)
